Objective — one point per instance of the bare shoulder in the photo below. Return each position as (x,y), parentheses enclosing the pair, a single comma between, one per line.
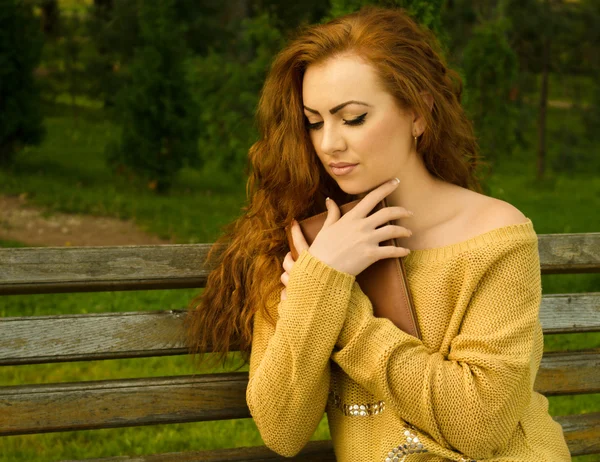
(491,213)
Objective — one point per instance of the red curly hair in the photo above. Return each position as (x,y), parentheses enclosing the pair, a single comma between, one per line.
(287,179)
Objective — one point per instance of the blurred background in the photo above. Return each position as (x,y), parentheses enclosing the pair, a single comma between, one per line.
(129,121)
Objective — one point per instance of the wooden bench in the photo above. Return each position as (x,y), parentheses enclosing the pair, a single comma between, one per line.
(55,407)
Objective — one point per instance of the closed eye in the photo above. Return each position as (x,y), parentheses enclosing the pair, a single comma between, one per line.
(357,121)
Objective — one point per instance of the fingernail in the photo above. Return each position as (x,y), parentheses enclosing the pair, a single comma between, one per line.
(395,181)
(411,213)
(327,200)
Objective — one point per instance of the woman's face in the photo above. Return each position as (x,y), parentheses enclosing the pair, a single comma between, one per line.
(351,119)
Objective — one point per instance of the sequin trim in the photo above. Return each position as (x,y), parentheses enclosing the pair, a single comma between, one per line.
(411,445)
(357,410)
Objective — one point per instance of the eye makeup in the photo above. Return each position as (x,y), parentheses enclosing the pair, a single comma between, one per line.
(357,121)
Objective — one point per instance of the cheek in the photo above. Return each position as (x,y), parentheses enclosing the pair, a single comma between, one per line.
(378,141)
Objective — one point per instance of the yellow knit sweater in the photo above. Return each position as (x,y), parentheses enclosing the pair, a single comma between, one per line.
(464,392)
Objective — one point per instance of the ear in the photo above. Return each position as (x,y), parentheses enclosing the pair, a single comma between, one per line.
(428,99)
(419,121)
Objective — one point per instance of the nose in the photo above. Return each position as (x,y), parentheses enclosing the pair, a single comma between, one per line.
(331,139)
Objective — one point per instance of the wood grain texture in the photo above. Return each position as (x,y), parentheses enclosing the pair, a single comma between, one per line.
(582,432)
(92,269)
(569,253)
(569,372)
(59,338)
(570,313)
(46,408)
(124,403)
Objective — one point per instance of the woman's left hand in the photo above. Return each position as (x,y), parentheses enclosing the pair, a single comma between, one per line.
(288,262)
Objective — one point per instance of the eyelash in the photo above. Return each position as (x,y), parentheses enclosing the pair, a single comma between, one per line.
(358,121)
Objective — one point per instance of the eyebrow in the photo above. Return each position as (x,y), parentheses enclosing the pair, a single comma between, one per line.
(333,110)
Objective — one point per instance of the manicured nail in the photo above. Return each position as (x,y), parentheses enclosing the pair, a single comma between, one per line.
(395,180)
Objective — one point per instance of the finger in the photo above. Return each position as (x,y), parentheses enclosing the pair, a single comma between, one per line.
(387,215)
(283,295)
(373,198)
(285,277)
(333,212)
(390,232)
(288,262)
(298,238)
(390,251)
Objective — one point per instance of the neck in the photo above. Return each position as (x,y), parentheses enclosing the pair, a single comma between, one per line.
(432,200)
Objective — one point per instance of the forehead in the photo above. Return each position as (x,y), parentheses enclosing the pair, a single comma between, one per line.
(337,80)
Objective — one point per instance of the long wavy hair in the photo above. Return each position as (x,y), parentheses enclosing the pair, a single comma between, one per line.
(287,180)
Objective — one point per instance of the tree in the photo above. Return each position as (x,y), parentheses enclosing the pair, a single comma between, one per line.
(425,12)
(490,69)
(228,85)
(547,36)
(114,32)
(50,18)
(21,43)
(156,110)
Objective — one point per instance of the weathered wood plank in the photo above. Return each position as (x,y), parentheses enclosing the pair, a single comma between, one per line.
(59,338)
(321,451)
(132,402)
(78,337)
(569,372)
(122,403)
(570,313)
(582,432)
(569,253)
(92,269)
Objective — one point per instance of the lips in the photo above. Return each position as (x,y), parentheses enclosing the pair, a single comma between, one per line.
(341,164)
(339,171)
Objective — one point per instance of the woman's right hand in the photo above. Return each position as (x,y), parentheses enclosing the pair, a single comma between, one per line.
(350,243)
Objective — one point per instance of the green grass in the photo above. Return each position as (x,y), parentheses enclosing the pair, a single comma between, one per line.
(66,173)
(569,87)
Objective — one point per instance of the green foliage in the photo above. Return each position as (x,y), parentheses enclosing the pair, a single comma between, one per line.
(155,108)
(64,60)
(490,70)
(425,12)
(114,35)
(21,44)
(288,15)
(114,30)
(228,88)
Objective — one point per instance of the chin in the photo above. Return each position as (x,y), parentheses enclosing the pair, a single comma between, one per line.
(355,189)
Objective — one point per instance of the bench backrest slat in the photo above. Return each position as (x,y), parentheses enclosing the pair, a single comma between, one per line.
(43,339)
(122,403)
(117,403)
(93,269)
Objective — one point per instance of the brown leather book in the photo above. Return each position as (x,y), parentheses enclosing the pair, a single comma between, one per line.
(384,282)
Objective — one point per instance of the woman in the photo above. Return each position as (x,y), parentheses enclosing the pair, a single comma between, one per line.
(370,91)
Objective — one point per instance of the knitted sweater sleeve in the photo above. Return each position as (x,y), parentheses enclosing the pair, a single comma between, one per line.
(289,369)
(471,399)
